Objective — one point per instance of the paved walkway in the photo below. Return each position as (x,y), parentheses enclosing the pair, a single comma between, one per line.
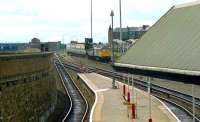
(110,105)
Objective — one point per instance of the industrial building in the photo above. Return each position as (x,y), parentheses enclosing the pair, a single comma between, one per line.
(34,44)
(50,46)
(12,47)
(46,46)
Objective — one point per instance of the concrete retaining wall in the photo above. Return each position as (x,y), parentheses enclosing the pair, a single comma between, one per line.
(27,87)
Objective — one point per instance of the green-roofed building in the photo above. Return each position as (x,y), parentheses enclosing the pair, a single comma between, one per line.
(171,46)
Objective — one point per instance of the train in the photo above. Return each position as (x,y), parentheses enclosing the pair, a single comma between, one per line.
(98,54)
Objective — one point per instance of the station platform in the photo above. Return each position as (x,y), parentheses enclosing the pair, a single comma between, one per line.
(111,106)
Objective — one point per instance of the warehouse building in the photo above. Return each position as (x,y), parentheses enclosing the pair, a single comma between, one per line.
(35,43)
(170,49)
(50,46)
(47,46)
(12,47)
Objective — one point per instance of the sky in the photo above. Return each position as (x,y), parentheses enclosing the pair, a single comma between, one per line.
(53,20)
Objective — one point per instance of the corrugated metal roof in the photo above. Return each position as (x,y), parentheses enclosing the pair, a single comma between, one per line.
(173,42)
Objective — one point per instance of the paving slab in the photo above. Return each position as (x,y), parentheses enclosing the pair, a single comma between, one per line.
(111,106)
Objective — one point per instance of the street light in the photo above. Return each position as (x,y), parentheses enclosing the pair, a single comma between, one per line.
(193,104)
(112,58)
(91,20)
(120,20)
(149,92)
(112,15)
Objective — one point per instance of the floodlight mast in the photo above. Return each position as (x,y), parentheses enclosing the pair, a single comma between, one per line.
(91,10)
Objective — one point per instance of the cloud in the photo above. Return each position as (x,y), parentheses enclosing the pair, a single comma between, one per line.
(49,20)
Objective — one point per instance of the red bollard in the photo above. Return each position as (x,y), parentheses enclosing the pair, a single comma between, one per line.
(133,111)
(129,99)
(150,120)
(124,90)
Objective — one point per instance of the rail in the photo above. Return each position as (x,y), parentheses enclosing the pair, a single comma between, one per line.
(79,106)
(140,83)
(66,115)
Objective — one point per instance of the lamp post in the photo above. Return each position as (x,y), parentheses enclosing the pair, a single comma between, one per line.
(193,104)
(112,58)
(149,92)
(63,41)
(112,14)
(120,20)
(91,20)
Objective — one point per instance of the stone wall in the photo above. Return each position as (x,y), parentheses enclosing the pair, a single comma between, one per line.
(27,87)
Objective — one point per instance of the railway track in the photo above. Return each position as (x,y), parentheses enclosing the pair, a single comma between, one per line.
(143,85)
(139,82)
(78,103)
